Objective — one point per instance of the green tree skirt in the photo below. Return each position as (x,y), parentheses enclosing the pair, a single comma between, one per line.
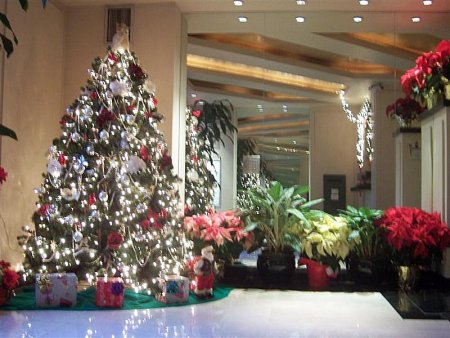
(25,300)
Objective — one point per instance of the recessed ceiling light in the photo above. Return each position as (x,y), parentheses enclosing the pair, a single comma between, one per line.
(238,2)
(415,19)
(242,19)
(193,95)
(259,106)
(427,2)
(301,2)
(300,19)
(363,2)
(284,106)
(357,18)
(295,142)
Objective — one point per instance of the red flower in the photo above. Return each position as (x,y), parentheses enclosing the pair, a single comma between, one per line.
(155,101)
(154,219)
(42,211)
(93,95)
(144,153)
(10,278)
(415,232)
(196,113)
(148,114)
(92,200)
(166,162)
(62,159)
(104,117)
(3,175)
(136,72)
(444,48)
(145,224)
(4,265)
(115,240)
(112,57)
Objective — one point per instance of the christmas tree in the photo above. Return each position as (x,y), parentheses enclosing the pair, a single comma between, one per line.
(199,187)
(206,124)
(109,201)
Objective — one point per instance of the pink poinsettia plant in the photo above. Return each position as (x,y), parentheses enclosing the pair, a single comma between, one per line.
(215,227)
(430,74)
(414,234)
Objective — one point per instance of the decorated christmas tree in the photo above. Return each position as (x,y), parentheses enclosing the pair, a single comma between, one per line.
(108,204)
(206,125)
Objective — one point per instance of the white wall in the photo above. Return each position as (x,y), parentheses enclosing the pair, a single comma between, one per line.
(32,106)
(332,151)
(383,168)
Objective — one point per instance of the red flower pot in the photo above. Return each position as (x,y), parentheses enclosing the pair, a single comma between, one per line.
(318,277)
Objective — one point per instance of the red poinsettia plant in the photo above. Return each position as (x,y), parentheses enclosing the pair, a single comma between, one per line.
(405,110)
(430,74)
(414,234)
(9,279)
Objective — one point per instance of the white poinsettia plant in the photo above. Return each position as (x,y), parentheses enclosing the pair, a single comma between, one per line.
(327,239)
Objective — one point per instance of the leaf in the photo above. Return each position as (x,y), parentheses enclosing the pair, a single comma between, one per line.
(5,131)
(275,190)
(24,4)
(7,45)
(5,22)
(312,203)
(44,3)
(250,226)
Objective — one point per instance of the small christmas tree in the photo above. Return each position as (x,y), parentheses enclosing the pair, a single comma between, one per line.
(206,124)
(109,200)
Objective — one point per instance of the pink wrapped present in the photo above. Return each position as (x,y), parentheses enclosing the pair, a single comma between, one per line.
(109,292)
(56,289)
(174,289)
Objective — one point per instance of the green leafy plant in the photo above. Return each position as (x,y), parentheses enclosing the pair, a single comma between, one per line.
(214,121)
(275,213)
(362,221)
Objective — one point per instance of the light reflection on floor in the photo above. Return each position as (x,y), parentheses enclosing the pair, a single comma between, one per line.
(244,313)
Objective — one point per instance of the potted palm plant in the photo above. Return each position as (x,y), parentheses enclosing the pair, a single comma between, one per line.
(275,212)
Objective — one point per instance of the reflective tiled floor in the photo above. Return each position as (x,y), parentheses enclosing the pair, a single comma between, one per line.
(244,313)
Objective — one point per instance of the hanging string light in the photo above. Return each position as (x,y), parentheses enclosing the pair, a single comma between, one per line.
(364,128)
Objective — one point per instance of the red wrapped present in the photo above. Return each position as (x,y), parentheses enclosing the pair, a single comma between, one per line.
(109,292)
(56,290)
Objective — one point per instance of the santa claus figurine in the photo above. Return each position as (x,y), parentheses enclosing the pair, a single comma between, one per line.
(204,273)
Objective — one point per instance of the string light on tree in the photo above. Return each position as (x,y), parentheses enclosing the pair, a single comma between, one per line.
(364,128)
(109,200)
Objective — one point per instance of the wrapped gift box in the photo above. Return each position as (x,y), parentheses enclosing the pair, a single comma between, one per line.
(56,290)
(174,289)
(109,292)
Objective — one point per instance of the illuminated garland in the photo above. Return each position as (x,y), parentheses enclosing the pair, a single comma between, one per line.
(364,126)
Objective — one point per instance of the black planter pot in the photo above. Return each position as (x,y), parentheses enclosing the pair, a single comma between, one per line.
(276,267)
(372,272)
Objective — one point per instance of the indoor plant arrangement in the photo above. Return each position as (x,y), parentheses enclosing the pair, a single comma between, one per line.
(417,239)
(405,110)
(216,229)
(9,279)
(369,260)
(430,77)
(223,230)
(272,223)
(326,241)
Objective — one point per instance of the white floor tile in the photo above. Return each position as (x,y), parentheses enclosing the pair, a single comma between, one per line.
(244,313)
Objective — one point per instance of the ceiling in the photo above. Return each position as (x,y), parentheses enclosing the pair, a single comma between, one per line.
(275,70)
